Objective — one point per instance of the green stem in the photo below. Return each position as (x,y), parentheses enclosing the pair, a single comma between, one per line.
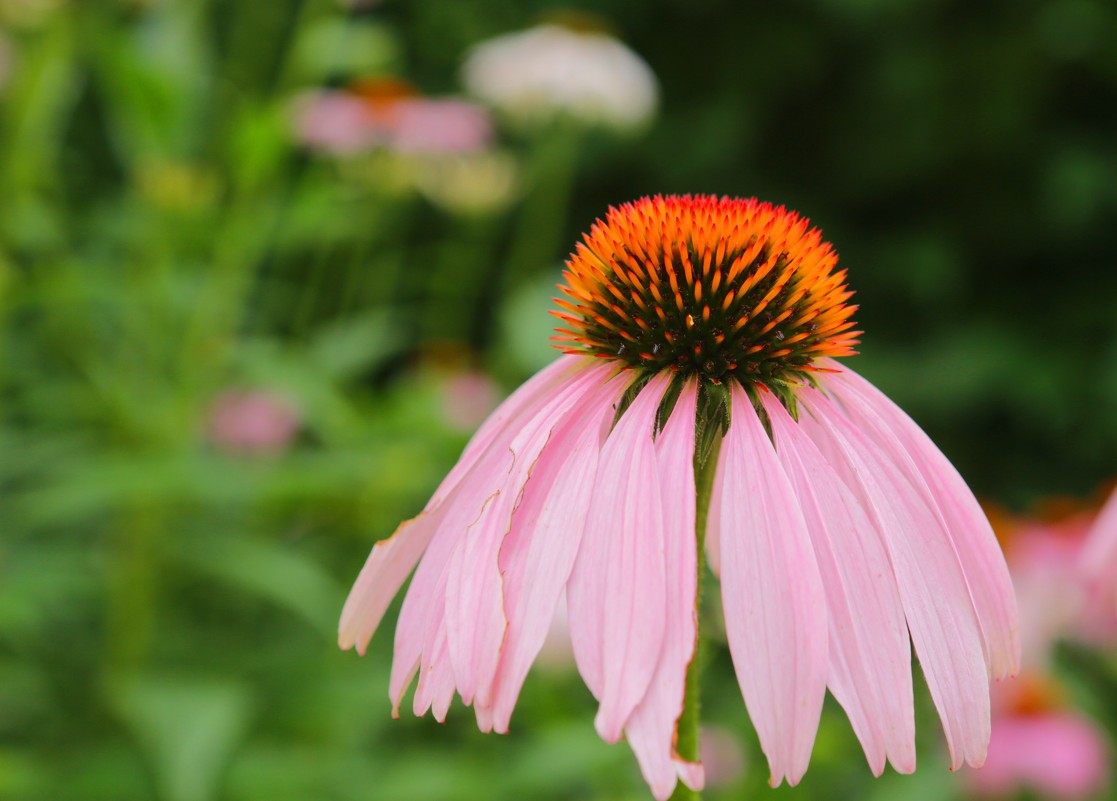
(687,740)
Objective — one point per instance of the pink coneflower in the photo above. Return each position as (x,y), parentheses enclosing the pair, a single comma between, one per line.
(252,422)
(1060,586)
(438,126)
(1099,555)
(1039,744)
(698,377)
(333,121)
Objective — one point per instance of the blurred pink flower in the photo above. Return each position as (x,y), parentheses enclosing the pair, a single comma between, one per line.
(467,399)
(841,534)
(252,422)
(1056,579)
(1057,754)
(419,125)
(382,113)
(722,755)
(333,122)
(1099,558)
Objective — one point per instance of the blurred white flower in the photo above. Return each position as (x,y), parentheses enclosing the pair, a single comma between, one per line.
(479,183)
(549,70)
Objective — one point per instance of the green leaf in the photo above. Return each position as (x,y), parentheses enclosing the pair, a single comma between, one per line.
(187,727)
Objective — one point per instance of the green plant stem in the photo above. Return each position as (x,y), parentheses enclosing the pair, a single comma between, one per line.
(687,740)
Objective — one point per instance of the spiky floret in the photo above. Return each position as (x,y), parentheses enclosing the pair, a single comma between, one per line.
(707,286)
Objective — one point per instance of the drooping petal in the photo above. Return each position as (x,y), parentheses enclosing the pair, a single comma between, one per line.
(944,627)
(475,620)
(476,488)
(651,729)
(538,554)
(392,560)
(422,611)
(387,567)
(616,591)
(932,473)
(504,417)
(870,658)
(435,690)
(775,613)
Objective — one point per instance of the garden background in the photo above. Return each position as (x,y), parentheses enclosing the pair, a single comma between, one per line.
(238,347)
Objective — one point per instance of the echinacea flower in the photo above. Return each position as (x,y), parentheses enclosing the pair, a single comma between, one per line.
(700,334)
(1058,573)
(1041,745)
(252,422)
(1099,554)
(533,75)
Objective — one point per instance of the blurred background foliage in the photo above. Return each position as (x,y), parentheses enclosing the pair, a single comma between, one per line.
(242,340)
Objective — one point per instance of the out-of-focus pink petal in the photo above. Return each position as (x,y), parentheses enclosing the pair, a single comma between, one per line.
(475,618)
(870,658)
(616,591)
(1099,554)
(775,608)
(944,627)
(983,564)
(651,729)
(333,122)
(1060,755)
(538,554)
(421,125)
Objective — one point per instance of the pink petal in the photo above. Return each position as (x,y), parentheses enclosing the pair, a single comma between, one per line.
(384,572)
(475,620)
(538,554)
(501,424)
(775,612)
(616,591)
(870,658)
(651,729)
(461,499)
(946,493)
(422,612)
(941,618)
(393,559)
(436,681)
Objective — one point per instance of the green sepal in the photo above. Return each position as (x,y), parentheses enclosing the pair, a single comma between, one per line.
(712,421)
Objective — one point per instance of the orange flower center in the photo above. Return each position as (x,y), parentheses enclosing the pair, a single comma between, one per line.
(718,287)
